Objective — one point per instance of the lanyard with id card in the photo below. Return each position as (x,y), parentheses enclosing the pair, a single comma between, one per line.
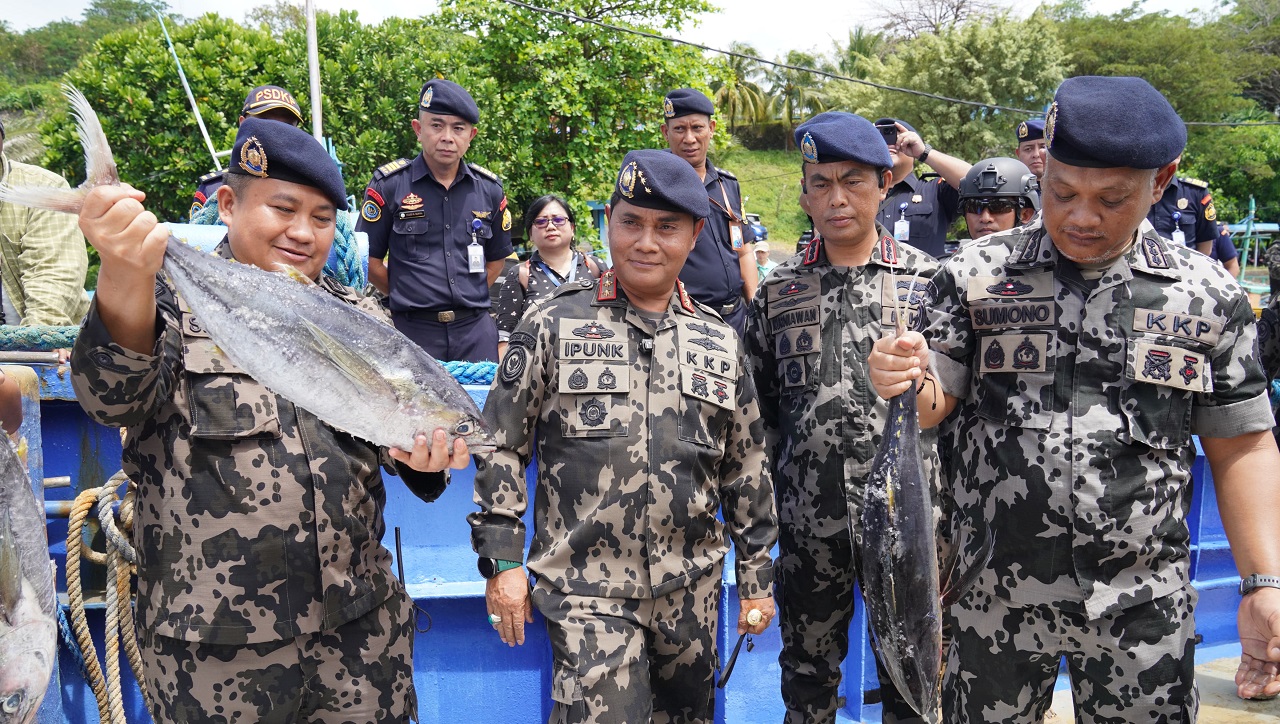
(902,227)
(1179,236)
(736,239)
(475,252)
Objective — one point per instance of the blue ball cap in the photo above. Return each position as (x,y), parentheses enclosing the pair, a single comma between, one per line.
(448,99)
(838,136)
(270,149)
(686,101)
(655,179)
(1032,130)
(1103,122)
(269,97)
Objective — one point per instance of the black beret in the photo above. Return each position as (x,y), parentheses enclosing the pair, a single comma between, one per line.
(269,149)
(684,101)
(656,179)
(1102,122)
(447,98)
(1032,130)
(266,97)
(891,121)
(839,136)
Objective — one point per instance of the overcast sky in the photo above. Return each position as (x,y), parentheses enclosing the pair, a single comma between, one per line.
(805,24)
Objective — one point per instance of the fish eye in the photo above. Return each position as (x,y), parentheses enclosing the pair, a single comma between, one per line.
(11,703)
(463,428)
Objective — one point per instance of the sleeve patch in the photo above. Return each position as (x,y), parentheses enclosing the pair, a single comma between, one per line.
(370,211)
(506,219)
(374,196)
(201,198)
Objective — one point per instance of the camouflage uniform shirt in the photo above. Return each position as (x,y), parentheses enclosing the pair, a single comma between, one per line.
(641,436)
(1078,403)
(811,329)
(255,521)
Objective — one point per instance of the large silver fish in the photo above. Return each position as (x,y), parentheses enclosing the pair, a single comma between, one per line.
(341,364)
(902,585)
(28,622)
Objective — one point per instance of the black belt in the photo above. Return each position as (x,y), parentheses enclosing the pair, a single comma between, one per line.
(444,316)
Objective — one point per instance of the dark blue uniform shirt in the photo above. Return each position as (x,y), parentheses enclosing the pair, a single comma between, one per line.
(712,274)
(426,230)
(931,208)
(1192,201)
(206,189)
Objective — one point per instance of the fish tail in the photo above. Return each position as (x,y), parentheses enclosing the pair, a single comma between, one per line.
(42,197)
(99,164)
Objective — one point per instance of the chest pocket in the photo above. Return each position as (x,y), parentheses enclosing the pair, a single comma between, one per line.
(484,231)
(708,382)
(1015,378)
(1162,375)
(411,235)
(796,333)
(224,402)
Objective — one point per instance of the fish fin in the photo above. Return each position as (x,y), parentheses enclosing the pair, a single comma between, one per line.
(10,569)
(294,274)
(954,587)
(99,165)
(68,201)
(355,367)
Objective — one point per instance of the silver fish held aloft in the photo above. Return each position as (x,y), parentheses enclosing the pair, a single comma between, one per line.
(351,370)
(903,587)
(28,623)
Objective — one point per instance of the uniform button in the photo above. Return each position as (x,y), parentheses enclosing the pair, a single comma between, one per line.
(446,198)
(448,253)
(451,280)
(446,227)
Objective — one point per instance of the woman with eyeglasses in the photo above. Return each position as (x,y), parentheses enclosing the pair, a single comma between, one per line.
(549,226)
(998,194)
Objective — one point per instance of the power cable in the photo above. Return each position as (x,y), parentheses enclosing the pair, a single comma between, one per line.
(826,74)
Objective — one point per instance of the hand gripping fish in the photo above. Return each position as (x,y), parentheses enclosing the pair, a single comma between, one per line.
(899,552)
(351,370)
(28,623)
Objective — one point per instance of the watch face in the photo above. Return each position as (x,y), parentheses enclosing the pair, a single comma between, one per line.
(488,567)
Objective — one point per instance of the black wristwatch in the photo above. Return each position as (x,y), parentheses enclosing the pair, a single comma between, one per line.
(490,567)
(922,157)
(1256,581)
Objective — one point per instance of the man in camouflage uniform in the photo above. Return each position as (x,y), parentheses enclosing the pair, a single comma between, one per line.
(1084,351)
(808,337)
(646,426)
(264,592)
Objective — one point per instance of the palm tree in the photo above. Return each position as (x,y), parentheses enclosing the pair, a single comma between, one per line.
(795,92)
(740,97)
(852,58)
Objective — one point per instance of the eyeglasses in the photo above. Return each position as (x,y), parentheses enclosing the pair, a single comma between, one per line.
(542,221)
(995,206)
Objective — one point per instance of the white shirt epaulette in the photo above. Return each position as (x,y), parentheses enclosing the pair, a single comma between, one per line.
(212,175)
(1195,182)
(485,172)
(387,169)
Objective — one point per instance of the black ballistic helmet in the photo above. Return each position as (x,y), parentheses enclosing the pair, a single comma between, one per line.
(1001,177)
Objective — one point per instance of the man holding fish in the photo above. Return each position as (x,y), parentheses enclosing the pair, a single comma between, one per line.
(1082,354)
(642,413)
(811,329)
(264,591)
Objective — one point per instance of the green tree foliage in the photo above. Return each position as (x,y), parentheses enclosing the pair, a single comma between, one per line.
(1254,26)
(47,52)
(561,101)
(998,60)
(797,94)
(738,96)
(369,75)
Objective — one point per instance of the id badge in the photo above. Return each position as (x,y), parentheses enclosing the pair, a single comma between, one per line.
(735,235)
(475,258)
(1179,237)
(902,230)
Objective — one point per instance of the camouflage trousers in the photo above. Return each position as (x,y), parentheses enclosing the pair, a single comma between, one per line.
(633,661)
(360,672)
(1137,665)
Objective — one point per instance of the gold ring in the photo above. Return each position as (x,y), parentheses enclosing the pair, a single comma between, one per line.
(754,617)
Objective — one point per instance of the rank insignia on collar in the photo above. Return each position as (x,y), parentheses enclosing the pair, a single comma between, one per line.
(1152,249)
(607,290)
(1010,288)
(708,344)
(811,252)
(685,300)
(426,97)
(795,287)
(888,251)
(592,330)
(593,412)
(668,108)
(411,202)
(809,149)
(253,157)
(705,329)
(1026,356)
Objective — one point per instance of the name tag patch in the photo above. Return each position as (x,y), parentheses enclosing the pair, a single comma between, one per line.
(705,386)
(795,317)
(993,315)
(1013,353)
(797,341)
(583,377)
(1172,366)
(1187,326)
(1028,286)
